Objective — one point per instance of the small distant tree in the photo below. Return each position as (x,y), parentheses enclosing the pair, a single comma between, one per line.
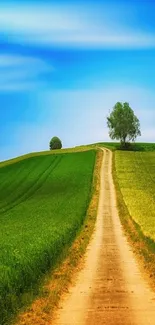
(55,143)
(123,124)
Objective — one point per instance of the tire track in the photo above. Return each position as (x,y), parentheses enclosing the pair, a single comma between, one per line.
(33,189)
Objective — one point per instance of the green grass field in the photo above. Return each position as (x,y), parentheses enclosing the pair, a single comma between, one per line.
(43,203)
(135,172)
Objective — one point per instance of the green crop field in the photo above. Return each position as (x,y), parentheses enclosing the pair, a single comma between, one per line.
(43,203)
(135,172)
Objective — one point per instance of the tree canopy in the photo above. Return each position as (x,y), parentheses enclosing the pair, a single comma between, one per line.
(123,124)
(55,143)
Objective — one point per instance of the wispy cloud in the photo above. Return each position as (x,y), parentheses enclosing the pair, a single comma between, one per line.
(11,61)
(74,26)
(19,72)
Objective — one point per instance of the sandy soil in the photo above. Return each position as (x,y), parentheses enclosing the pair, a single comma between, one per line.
(110,289)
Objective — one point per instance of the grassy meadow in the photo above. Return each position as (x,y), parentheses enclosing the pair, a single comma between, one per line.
(135,172)
(43,203)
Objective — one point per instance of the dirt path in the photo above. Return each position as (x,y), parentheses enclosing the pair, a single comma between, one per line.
(110,289)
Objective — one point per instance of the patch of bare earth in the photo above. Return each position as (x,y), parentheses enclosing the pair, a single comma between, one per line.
(110,289)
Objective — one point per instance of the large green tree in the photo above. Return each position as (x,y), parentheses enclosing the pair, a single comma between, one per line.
(123,124)
(55,143)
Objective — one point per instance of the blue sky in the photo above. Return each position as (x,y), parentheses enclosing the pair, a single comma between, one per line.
(64,65)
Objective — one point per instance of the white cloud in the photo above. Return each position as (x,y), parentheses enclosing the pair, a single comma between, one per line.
(19,72)
(15,61)
(74,26)
(38,18)
(90,39)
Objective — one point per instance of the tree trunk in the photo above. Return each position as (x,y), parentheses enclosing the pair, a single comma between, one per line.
(123,143)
